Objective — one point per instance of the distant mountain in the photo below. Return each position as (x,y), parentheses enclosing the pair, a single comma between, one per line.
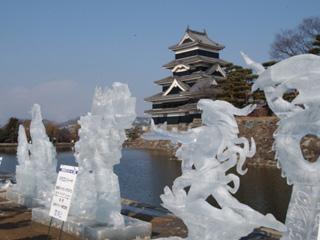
(138,122)
(68,123)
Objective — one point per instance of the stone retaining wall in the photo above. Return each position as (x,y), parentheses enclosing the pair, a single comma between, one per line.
(260,128)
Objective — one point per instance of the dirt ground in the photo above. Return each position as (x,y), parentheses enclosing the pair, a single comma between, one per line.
(16,224)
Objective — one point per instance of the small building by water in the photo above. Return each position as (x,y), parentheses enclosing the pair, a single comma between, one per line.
(196,72)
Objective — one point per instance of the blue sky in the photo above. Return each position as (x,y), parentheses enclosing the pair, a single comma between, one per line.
(56,52)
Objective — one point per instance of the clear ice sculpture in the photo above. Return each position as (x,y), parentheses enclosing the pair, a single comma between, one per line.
(208,153)
(102,133)
(36,172)
(298,118)
(26,183)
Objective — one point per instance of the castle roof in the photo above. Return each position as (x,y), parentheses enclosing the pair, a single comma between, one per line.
(193,60)
(185,78)
(196,93)
(193,38)
(168,98)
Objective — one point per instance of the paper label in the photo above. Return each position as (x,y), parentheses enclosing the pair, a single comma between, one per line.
(61,200)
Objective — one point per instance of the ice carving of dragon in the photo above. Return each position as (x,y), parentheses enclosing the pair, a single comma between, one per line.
(208,153)
(298,118)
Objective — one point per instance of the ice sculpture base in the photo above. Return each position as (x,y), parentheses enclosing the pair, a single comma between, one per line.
(20,199)
(303,213)
(3,194)
(171,238)
(90,230)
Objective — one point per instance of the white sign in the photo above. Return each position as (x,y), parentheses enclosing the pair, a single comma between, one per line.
(318,238)
(63,192)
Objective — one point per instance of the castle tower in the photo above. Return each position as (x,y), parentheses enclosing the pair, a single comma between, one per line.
(195,73)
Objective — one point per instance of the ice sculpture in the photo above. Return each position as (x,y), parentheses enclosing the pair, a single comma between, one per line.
(25,177)
(36,172)
(298,118)
(208,153)
(102,134)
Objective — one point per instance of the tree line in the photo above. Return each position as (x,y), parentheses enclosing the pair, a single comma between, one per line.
(236,89)
(56,134)
(9,132)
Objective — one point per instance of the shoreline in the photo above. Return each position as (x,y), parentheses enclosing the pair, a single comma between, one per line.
(9,148)
(141,144)
(252,163)
(164,224)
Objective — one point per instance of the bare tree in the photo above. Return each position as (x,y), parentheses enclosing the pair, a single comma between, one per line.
(296,41)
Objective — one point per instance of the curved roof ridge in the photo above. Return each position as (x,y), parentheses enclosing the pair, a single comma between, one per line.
(197,38)
(196,32)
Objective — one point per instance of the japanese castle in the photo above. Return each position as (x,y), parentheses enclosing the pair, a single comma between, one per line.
(196,72)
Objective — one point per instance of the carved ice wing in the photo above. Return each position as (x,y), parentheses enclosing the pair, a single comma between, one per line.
(252,64)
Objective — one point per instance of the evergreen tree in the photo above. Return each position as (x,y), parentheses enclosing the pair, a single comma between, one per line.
(316,46)
(236,88)
(9,133)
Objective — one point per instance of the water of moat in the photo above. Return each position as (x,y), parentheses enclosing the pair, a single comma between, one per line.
(143,174)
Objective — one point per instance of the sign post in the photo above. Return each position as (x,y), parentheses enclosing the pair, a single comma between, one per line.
(61,200)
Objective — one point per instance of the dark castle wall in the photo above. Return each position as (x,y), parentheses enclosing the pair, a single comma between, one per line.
(176,120)
(197,52)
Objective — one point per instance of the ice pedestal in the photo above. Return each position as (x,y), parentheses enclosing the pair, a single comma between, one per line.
(303,213)
(92,231)
(21,199)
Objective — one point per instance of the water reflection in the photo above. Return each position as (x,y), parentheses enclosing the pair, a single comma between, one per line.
(143,175)
(8,164)
(265,190)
